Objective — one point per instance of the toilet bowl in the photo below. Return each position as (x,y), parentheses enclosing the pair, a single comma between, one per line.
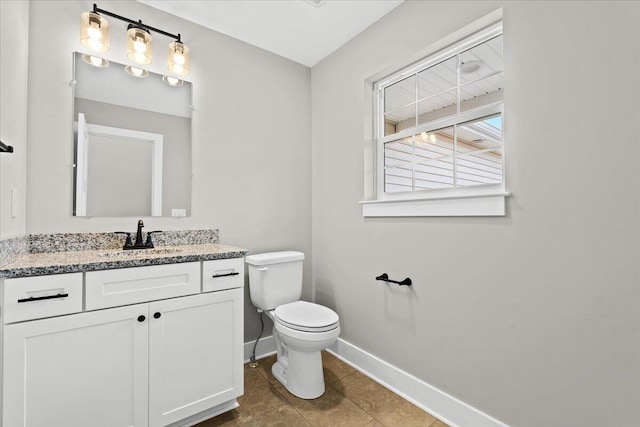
(301,329)
(300,341)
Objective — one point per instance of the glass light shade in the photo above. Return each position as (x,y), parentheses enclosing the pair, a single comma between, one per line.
(94,32)
(95,61)
(178,58)
(172,81)
(139,46)
(135,71)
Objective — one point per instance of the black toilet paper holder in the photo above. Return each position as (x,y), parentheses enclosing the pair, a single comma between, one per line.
(385,278)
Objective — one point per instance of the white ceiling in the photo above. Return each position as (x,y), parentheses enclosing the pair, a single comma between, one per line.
(296,29)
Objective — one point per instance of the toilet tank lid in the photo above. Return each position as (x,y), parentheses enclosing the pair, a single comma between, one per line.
(274,257)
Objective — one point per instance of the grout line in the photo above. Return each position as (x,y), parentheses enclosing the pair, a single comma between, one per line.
(265,377)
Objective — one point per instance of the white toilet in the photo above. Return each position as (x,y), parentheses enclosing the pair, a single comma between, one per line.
(300,329)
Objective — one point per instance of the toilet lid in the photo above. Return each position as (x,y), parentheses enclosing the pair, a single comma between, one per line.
(306,316)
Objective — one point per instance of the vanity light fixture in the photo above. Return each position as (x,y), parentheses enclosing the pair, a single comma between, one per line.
(94,31)
(95,61)
(135,71)
(139,44)
(178,58)
(94,34)
(172,81)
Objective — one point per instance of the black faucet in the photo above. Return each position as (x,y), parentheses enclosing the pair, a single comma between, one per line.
(139,234)
(138,244)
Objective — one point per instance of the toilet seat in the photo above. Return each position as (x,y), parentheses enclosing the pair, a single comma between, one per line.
(306,317)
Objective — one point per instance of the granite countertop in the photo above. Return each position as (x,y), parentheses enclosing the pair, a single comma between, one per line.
(39,264)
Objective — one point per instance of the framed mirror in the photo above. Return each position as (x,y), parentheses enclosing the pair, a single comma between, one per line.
(132,141)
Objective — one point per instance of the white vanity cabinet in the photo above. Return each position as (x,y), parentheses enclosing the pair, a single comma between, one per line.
(87,369)
(195,354)
(166,362)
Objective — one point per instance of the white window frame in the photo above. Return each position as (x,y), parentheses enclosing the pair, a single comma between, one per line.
(483,200)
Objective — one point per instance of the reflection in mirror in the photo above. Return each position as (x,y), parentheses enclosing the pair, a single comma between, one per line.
(132,138)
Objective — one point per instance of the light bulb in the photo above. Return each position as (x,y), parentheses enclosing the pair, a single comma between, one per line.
(424,135)
(178,58)
(95,44)
(139,57)
(177,68)
(172,81)
(94,33)
(433,138)
(135,71)
(140,46)
(95,60)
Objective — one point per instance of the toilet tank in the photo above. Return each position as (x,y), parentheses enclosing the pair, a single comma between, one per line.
(275,278)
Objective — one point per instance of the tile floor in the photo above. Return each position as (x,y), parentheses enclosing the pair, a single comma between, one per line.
(351,399)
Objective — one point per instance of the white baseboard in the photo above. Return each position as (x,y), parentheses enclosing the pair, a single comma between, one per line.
(438,403)
(266,347)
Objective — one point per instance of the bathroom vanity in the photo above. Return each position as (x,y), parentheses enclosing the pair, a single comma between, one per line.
(122,338)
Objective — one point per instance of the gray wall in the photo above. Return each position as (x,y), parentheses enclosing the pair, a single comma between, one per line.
(533,318)
(251,175)
(14,42)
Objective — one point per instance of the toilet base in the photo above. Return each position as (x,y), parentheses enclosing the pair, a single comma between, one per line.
(300,373)
(299,364)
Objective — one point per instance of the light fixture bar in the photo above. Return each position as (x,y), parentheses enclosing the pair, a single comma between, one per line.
(138,23)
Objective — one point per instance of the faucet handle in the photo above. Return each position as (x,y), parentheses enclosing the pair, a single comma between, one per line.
(127,242)
(149,242)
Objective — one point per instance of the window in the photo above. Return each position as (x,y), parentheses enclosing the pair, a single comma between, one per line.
(439,130)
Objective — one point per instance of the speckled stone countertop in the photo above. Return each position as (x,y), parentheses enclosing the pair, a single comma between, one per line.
(39,264)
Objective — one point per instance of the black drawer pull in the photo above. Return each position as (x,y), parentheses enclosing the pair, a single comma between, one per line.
(225,275)
(43,298)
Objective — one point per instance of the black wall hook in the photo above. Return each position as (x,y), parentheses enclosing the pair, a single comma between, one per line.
(385,278)
(4,148)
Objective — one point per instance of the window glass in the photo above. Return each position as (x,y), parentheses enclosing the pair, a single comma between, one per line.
(438,78)
(398,161)
(449,109)
(481,92)
(479,148)
(400,119)
(434,159)
(400,94)
(437,106)
(481,61)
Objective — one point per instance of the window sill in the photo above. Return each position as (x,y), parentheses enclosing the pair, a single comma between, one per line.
(492,204)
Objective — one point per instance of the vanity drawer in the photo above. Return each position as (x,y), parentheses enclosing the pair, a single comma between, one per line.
(112,288)
(29,298)
(222,274)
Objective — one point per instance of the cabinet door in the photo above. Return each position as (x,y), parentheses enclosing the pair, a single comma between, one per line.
(87,369)
(195,354)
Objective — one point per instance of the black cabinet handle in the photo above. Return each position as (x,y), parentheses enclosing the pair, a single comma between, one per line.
(157,315)
(141,318)
(225,275)
(43,298)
